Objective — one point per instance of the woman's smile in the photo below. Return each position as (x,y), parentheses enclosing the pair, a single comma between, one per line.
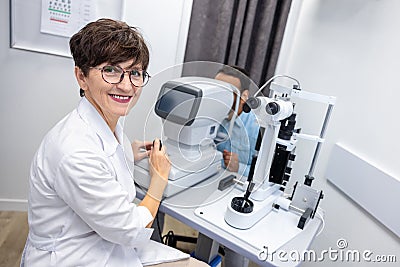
(120,98)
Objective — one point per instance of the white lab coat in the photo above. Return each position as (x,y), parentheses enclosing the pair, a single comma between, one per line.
(80,199)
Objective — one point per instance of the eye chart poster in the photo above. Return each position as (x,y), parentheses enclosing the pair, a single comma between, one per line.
(65,17)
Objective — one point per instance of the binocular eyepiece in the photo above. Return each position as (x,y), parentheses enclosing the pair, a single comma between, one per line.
(271,108)
(251,103)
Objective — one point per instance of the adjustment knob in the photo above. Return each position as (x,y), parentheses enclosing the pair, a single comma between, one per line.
(272,108)
(246,108)
(242,205)
(309,179)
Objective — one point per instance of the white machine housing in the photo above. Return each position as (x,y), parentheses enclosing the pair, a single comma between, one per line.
(264,193)
(191,109)
(269,111)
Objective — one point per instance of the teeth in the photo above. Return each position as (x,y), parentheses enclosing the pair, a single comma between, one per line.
(121,97)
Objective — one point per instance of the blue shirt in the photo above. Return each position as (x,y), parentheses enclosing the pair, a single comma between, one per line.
(242,141)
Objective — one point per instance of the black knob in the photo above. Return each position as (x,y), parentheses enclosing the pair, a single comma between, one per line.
(309,179)
(272,108)
(242,205)
(246,108)
(159,143)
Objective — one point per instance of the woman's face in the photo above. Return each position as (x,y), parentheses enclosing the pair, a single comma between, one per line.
(110,100)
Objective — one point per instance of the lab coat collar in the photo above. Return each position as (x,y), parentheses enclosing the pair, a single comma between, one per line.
(92,117)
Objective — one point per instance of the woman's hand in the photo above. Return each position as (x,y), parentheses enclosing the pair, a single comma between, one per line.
(159,162)
(159,167)
(141,149)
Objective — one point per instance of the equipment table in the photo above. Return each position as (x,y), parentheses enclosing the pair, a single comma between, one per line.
(183,205)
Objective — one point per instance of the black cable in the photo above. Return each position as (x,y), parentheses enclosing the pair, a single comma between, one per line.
(158,227)
(157,220)
(169,239)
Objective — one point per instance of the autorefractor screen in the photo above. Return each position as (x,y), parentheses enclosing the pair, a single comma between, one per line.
(177,103)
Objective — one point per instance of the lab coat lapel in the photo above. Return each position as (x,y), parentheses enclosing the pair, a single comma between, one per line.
(92,117)
(113,150)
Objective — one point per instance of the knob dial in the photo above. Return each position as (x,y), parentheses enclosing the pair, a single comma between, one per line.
(272,108)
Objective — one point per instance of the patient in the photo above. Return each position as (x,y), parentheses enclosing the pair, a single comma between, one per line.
(238,148)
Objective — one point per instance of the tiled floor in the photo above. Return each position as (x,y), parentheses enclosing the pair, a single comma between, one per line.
(13,233)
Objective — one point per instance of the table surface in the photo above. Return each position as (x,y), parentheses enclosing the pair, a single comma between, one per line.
(182,207)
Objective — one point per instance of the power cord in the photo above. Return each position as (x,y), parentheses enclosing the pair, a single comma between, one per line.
(273,78)
(159,228)
(157,218)
(170,239)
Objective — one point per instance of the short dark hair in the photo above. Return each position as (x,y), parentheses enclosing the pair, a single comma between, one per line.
(239,73)
(107,40)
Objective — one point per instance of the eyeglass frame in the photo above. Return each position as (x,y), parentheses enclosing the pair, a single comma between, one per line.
(123,75)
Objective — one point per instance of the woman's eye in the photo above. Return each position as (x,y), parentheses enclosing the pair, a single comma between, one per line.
(110,70)
(136,73)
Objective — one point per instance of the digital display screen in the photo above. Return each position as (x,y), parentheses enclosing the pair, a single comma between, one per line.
(176,103)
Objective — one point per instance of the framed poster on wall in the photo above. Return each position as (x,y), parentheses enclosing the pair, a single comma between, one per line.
(45,26)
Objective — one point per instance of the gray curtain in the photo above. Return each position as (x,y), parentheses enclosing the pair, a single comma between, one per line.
(246,33)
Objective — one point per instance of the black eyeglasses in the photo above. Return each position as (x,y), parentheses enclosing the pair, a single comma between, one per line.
(115,75)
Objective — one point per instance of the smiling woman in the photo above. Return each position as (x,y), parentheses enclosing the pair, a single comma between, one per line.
(103,53)
(81,210)
(109,91)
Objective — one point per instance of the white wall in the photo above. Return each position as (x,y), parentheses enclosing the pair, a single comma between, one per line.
(349,49)
(39,89)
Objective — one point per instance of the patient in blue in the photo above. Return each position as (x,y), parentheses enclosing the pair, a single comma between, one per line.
(238,147)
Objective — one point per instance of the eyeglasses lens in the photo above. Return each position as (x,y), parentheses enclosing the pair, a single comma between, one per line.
(115,74)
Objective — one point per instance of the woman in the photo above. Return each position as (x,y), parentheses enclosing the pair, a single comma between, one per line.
(81,185)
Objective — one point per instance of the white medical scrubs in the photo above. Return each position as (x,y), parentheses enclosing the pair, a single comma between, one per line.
(81,190)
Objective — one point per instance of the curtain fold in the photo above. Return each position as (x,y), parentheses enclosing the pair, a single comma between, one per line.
(246,33)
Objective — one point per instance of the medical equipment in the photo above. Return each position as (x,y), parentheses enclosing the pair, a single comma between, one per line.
(271,169)
(191,109)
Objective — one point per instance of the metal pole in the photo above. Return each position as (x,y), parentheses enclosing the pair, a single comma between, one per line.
(322,135)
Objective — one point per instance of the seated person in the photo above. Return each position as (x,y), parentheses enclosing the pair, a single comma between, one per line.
(80,209)
(238,148)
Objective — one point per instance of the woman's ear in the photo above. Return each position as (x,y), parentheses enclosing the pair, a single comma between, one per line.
(80,78)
